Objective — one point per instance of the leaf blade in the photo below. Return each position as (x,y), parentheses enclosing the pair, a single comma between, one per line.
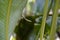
(10,13)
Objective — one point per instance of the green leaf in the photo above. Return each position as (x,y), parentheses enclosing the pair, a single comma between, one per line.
(10,13)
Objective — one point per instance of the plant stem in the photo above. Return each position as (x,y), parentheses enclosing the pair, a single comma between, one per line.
(54,21)
(44,20)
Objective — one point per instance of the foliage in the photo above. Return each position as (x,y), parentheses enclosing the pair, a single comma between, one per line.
(29,27)
(10,13)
